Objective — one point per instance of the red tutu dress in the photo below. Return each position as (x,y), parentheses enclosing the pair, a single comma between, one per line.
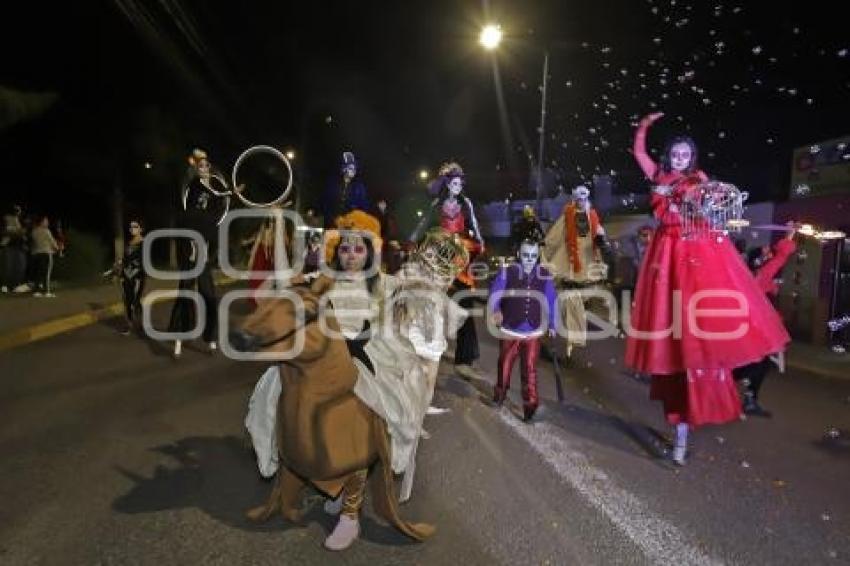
(698,312)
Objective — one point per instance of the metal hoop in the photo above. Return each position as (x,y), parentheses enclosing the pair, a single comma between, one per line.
(262,149)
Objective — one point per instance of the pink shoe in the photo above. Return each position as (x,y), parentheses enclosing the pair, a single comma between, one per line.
(346,532)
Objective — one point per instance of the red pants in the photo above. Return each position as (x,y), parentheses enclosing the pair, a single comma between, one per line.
(528,349)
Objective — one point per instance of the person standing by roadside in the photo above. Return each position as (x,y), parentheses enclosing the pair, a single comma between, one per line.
(43,247)
(13,259)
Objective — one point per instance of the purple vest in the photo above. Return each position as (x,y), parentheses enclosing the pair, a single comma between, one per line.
(522,307)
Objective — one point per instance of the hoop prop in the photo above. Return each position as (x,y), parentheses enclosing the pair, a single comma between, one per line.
(258,149)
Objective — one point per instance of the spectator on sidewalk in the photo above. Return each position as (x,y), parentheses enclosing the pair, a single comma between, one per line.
(61,238)
(43,247)
(13,257)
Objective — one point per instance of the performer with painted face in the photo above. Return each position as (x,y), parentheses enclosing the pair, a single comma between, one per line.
(688,271)
(457,216)
(398,360)
(575,247)
(204,195)
(132,274)
(523,304)
(346,192)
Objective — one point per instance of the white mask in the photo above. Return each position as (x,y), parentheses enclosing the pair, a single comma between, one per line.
(349,172)
(528,256)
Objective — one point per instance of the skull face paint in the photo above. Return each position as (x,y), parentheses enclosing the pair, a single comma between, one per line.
(529,254)
(349,172)
(680,157)
(352,253)
(581,195)
(455,186)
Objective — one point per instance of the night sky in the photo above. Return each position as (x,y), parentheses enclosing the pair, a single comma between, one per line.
(95,89)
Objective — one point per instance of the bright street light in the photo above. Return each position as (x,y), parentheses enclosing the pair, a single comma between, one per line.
(148,165)
(423,174)
(491,36)
(290,154)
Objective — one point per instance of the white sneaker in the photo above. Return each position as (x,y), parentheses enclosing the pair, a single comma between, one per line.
(679,455)
(333,506)
(432,410)
(22,288)
(345,533)
(50,295)
(37,294)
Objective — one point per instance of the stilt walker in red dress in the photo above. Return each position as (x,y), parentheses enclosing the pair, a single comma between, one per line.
(698,312)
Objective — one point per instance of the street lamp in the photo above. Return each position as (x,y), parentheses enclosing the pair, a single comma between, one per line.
(290,154)
(423,174)
(490,38)
(148,165)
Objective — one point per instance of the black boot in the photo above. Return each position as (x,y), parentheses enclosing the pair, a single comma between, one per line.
(752,408)
(528,413)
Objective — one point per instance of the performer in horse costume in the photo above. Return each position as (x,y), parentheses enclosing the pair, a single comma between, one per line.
(336,416)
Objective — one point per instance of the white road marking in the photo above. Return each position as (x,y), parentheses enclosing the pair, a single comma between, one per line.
(661,541)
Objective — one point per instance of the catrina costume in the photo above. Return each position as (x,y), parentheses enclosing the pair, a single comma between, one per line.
(456,215)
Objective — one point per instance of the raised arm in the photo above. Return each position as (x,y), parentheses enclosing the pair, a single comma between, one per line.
(647,165)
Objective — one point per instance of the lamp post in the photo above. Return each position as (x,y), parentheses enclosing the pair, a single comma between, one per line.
(490,38)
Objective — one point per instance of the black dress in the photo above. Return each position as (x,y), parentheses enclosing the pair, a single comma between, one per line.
(133,281)
(201,215)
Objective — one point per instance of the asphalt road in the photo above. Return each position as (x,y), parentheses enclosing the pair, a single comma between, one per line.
(113,453)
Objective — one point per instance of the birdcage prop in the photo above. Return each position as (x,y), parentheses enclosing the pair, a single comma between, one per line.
(712,209)
(442,253)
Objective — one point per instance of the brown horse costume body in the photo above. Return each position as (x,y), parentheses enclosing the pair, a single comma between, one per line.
(325,433)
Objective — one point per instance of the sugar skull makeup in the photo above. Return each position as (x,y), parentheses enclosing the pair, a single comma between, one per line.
(681,155)
(528,255)
(352,253)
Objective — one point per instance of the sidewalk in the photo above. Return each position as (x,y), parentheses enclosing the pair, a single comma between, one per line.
(25,318)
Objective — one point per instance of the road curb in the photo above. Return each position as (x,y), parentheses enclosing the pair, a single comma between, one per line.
(50,328)
(57,326)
